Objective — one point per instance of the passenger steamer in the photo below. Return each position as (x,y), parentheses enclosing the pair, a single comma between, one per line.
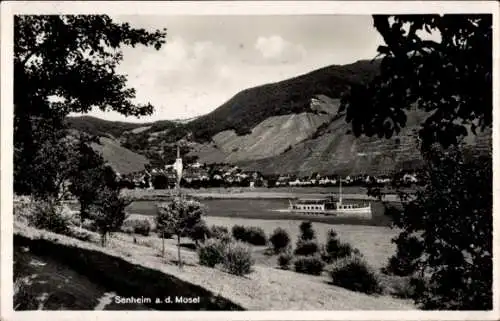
(330,207)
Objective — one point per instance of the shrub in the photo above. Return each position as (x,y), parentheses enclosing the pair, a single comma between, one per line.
(405,288)
(200,232)
(253,235)
(82,235)
(239,232)
(211,252)
(23,208)
(284,260)
(89,225)
(306,248)
(306,231)
(309,265)
(353,273)
(238,258)
(50,215)
(256,236)
(137,226)
(409,250)
(334,249)
(279,239)
(164,234)
(218,231)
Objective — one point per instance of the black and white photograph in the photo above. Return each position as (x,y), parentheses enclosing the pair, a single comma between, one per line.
(325,159)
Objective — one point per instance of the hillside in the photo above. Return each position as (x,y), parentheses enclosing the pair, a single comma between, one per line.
(100,127)
(250,107)
(123,160)
(287,127)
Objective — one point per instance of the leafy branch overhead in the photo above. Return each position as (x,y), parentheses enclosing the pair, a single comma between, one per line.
(449,78)
(75,57)
(65,64)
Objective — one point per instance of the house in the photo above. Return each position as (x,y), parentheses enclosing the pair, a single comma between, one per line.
(196,165)
(327,181)
(410,178)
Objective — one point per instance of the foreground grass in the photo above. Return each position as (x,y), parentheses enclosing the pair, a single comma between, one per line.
(264,289)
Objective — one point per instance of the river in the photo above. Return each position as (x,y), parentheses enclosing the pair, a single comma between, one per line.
(264,209)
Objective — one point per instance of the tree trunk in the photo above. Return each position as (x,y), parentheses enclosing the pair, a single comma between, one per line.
(179,249)
(163,244)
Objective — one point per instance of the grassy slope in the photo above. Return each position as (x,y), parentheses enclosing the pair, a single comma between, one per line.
(264,289)
(121,159)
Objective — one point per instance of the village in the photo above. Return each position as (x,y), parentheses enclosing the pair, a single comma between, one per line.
(197,175)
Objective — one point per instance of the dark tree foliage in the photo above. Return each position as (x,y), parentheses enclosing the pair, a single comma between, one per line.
(65,64)
(450,79)
(446,239)
(450,222)
(307,233)
(91,175)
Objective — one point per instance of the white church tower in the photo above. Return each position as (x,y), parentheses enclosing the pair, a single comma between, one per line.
(178,168)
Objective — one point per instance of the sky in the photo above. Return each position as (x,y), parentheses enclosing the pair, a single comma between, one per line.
(208,59)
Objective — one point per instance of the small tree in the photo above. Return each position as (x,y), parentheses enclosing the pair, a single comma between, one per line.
(108,212)
(447,231)
(90,175)
(179,217)
(200,232)
(306,231)
(280,239)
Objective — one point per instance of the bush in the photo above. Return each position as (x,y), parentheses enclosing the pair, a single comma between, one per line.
(285,258)
(137,226)
(309,265)
(238,258)
(353,273)
(89,225)
(164,234)
(407,287)
(23,208)
(253,235)
(219,232)
(256,236)
(306,248)
(211,252)
(334,249)
(409,250)
(51,216)
(279,239)
(239,232)
(200,232)
(306,231)
(82,235)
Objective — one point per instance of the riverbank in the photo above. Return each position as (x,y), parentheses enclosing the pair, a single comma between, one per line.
(352,193)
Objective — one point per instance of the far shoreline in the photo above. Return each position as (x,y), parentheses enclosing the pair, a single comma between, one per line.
(353,193)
